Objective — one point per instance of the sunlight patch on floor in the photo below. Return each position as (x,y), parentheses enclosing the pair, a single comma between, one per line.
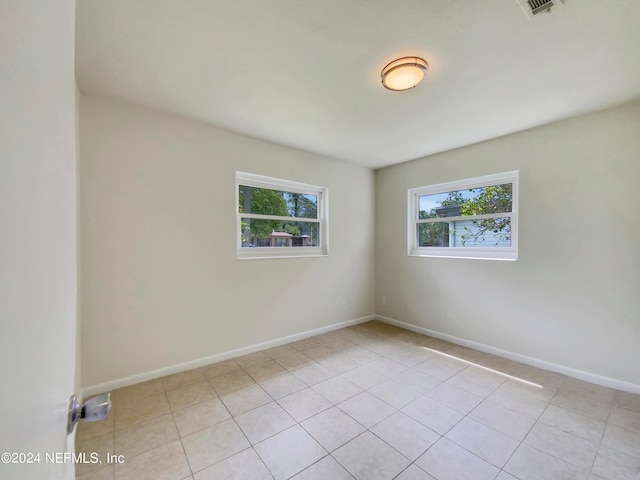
(517,379)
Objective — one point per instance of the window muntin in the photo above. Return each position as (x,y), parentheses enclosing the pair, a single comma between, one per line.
(473,218)
(280,218)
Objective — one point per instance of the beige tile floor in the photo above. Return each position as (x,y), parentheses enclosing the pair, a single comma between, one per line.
(367,402)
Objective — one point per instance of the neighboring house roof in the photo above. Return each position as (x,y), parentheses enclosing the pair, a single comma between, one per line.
(448,211)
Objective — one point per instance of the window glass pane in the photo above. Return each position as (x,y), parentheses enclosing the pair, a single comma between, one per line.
(489,232)
(276,233)
(485,233)
(275,202)
(433,234)
(474,201)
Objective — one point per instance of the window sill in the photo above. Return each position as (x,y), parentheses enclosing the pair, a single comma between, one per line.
(467,253)
(283,252)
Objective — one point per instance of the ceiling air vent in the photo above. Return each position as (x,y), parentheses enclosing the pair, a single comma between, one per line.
(534,7)
(539,6)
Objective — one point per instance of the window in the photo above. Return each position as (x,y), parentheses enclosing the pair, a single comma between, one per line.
(280,218)
(473,218)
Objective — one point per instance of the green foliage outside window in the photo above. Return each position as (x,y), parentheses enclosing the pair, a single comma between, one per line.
(491,199)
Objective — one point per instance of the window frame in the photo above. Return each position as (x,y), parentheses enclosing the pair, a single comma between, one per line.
(272,183)
(479,253)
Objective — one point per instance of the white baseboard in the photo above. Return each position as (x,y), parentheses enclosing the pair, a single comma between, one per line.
(534,362)
(201,362)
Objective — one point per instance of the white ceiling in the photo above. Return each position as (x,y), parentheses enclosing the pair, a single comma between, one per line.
(307,73)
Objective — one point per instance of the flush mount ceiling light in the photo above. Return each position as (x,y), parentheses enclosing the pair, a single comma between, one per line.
(404,73)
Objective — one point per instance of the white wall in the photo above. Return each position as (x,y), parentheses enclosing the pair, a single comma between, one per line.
(161,283)
(38,263)
(572,298)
